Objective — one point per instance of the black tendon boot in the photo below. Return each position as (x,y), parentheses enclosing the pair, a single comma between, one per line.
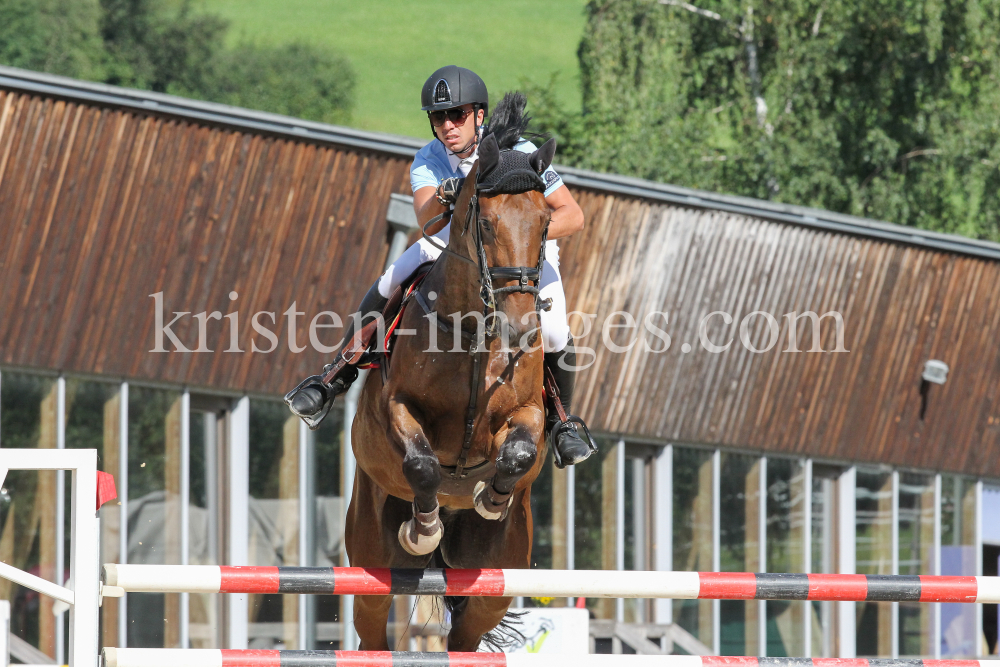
(313,398)
(568,447)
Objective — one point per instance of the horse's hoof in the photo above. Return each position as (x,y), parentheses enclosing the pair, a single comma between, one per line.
(420,535)
(489,504)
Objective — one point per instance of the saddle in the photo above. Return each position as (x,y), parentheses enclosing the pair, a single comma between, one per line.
(372,355)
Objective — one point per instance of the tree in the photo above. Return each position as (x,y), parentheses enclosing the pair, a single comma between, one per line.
(296,80)
(882,108)
(56,36)
(142,44)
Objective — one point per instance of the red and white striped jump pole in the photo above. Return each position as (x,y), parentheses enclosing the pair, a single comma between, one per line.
(167,657)
(550,583)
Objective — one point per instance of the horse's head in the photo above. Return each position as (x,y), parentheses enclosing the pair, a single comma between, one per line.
(505,210)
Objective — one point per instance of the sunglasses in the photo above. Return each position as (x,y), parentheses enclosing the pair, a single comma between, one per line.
(456,116)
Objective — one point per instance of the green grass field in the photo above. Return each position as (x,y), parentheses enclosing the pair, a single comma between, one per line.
(394,45)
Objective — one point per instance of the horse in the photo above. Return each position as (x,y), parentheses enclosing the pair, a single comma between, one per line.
(449,439)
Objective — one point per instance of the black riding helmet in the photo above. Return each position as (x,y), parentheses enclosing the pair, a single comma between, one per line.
(453,86)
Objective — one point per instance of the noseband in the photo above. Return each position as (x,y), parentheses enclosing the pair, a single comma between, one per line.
(487,274)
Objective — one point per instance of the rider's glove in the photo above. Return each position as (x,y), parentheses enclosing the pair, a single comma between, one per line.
(448,191)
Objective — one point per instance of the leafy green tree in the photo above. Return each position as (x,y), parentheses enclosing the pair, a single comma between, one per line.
(56,36)
(144,44)
(882,108)
(149,48)
(295,79)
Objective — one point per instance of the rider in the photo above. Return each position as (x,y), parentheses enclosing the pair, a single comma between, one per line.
(453,96)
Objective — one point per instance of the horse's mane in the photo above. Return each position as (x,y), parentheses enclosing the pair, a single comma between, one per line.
(509,123)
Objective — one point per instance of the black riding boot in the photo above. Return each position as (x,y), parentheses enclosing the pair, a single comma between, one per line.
(569,448)
(314,399)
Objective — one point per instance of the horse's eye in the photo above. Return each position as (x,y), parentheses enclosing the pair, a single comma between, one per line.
(485,224)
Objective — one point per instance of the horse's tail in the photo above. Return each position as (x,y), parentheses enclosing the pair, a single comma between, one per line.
(507,634)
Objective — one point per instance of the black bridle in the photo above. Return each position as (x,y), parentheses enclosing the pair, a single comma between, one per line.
(488,294)
(487,274)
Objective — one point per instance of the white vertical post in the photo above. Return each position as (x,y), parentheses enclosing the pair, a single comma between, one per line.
(185,506)
(894,550)
(716,546)
(639,510)
(571,522)
(350,641)
(663,515)
(936,570)
(620,522)
(213,454)
(5,632)
(978,543)
(807,483)
(762,550)
(238,454)
(827,565)
(84,567)
(304,528)
(846,559)
(60,514)
(639,514)
(122,488)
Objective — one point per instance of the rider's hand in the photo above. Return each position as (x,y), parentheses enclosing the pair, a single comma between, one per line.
(448,191)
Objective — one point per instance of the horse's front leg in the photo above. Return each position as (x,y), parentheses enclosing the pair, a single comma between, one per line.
(516,457)
(422,533)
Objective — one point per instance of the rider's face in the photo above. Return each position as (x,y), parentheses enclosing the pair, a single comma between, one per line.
(456,137)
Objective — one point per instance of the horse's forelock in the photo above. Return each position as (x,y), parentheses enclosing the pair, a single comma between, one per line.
(509,122)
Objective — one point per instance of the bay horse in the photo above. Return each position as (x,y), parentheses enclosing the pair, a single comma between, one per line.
(449,441)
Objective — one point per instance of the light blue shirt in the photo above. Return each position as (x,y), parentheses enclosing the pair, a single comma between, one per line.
(433,163)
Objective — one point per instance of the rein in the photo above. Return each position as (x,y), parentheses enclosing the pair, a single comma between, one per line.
(488,294)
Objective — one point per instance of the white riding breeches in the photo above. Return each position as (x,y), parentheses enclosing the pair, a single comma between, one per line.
(555,329)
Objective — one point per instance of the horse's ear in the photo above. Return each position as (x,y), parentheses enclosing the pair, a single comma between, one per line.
(489,155)
(542,158)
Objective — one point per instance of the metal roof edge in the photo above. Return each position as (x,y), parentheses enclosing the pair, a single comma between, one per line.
(60,86)
(801,215)
(212,112)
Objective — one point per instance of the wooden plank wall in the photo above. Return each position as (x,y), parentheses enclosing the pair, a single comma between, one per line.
(902,305)
(101,207)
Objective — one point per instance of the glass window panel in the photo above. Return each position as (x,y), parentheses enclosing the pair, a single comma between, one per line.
(786,498)
(637,531)
(203,524)
(93,418)
(587,515)
(692,533)
(28,405)
(916,549)
(274,518)
(821,613)
(328,511)
(154,422)
(958,558)
(873,513)
(739,521)
(541,513)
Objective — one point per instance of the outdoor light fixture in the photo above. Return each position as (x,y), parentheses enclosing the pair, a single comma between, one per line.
(935,371)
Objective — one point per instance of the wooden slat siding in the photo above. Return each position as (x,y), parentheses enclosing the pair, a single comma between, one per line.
(100,207)
(902,305)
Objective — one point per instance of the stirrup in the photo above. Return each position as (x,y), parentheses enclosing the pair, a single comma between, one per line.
(575,423)
(330,392)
